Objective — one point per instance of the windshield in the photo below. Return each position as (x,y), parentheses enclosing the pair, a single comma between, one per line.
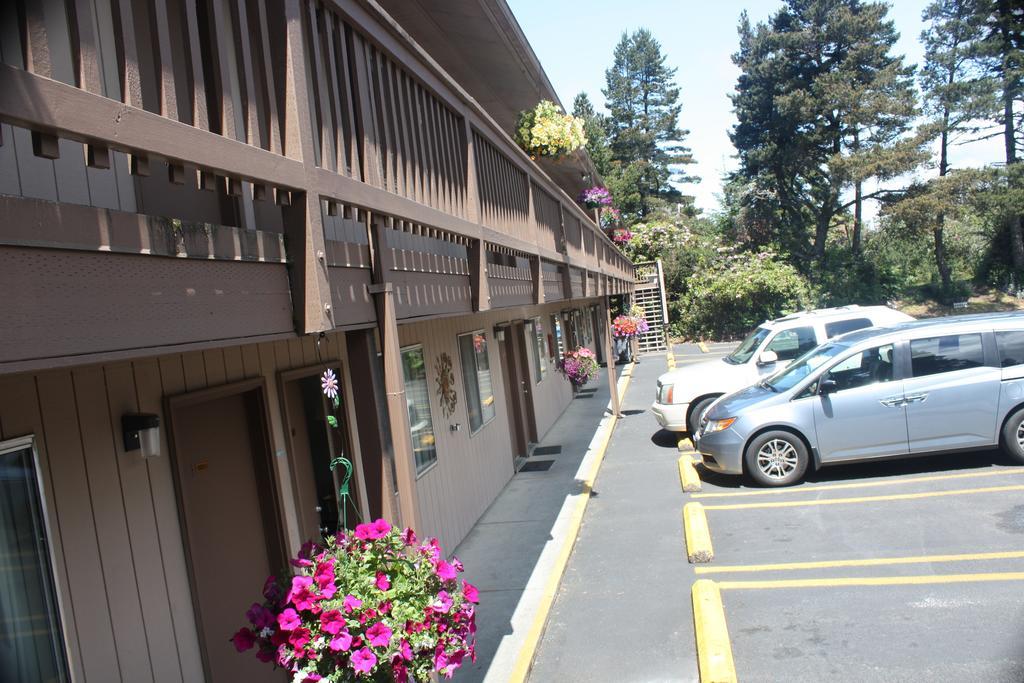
(786,379)
(745,350)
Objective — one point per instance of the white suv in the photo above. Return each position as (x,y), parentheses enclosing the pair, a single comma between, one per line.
(685,392)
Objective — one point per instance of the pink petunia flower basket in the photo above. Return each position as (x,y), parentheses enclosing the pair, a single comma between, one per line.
(373,604)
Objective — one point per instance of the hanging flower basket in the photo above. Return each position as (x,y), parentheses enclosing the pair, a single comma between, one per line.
(546,131)
(611,218)
(579,366)
(368,605)
(596,197)
(628,326)
(621,236)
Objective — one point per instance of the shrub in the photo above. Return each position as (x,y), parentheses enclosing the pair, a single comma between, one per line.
(734,295)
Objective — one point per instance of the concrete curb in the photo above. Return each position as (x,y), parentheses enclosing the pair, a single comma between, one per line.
(714,652)
(698,535)
(515,653)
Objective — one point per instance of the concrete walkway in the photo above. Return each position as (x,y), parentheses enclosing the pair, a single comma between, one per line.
(623,610)
(512,552)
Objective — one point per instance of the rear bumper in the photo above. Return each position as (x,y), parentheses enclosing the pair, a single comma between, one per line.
(671,416)
(722,451)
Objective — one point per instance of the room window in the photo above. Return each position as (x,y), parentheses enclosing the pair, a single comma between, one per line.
(558,345)
(535,330)
(417,400)
(31,648)
(476,376)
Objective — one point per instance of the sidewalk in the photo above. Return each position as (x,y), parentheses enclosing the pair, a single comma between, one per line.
(623,610)
(512,551)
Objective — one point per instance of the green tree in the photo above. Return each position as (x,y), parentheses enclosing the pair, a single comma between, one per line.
(823,107)
(956,93)
(594,126)
(647,149)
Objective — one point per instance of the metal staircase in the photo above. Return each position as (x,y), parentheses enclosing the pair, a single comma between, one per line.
(650,296)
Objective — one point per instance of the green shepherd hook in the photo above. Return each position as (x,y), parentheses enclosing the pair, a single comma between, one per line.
(343,491)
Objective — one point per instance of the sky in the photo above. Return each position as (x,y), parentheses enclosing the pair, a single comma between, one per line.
(574,42)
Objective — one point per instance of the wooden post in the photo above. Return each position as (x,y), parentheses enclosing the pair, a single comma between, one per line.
(478,282)
(537,275)
(394,381)
(610,358)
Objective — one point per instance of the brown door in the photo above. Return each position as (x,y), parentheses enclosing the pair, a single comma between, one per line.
(521,352)
(227,497)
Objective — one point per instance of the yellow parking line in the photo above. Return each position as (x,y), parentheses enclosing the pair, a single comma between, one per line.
(714,653)
(865,484)
(864,499)
(698,535)
(866,562)
(703,347)
(874,581)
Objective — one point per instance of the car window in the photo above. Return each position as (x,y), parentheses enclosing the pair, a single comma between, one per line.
(952,352)
(1011,348)
(861,369)
(839,327)
(790,344)
(746,349)
(793,374)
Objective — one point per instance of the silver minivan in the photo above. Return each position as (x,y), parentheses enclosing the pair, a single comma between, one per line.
(944,384)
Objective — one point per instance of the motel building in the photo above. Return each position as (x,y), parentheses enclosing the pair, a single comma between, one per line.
(204,205)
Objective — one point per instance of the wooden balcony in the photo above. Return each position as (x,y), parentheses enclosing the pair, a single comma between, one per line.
(282,132)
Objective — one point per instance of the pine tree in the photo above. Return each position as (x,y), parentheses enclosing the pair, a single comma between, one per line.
(956,93)
(646,142)
(594,126)
(822,107)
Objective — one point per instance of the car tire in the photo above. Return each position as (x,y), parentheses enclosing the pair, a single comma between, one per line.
(693,419)
(1013,436)
(776,458)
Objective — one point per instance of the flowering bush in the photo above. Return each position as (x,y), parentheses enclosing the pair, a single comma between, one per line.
(596,197)
(579,366)
(368,605)
(546,131)
(621,236)
(629,325)
(652,241)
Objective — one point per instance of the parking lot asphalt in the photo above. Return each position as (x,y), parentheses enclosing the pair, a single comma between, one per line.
(903,570)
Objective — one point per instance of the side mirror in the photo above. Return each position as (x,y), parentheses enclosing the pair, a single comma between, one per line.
(827,386)
(767,358)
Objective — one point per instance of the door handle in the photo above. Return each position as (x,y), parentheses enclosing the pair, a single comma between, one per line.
(893,402)
(916,398)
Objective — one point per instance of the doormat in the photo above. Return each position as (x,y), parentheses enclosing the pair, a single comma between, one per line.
(537,466)
(547,450)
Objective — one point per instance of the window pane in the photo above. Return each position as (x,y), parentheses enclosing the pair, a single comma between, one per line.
(30,645)
(417,399)
(476,377)
(843,326)
(946,354)
(536,329)
(559,345)
(790,344)
(1011,348)
(861,369)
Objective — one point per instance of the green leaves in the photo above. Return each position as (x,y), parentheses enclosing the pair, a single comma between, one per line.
(333,421)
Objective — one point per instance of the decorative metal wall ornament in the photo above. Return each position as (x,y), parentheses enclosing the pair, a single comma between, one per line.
(446,384)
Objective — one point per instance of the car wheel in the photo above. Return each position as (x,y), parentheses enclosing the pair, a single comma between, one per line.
(1013,436)
(776,458)
(693,420)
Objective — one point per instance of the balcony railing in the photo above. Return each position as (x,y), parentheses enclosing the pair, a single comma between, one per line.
(304,117)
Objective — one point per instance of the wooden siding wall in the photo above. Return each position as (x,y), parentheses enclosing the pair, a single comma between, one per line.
(113,516)
(554,283)
(472,469)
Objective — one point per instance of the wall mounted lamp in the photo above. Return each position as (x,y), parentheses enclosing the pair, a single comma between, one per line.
(141,431)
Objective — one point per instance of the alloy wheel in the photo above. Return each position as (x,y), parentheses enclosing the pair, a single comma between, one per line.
(778,458)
